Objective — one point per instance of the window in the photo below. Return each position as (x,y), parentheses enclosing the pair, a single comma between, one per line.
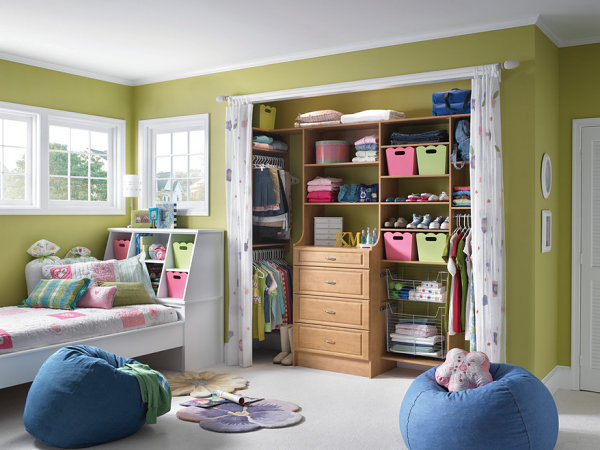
(58,162)
(174,162)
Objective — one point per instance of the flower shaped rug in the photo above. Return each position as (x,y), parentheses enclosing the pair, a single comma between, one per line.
(201,384)
(234,418)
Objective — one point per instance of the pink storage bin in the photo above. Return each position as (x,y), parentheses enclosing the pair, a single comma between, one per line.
(401,161)
(121,247)
(329,152)
(176,283)
(400,246)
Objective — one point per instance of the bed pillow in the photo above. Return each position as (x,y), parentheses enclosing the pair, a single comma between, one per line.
(129,293)
(324,115)
(94,270)
(57,294)
(78,252)
(463,370)
(98,297)
(134,270)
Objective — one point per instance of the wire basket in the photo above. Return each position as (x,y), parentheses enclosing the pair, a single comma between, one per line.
(432,290)
(416,334)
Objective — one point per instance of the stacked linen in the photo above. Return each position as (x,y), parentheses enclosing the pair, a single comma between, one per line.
(415,338)
(269,143)
(398,138)
(323,190)
(372,115)
(367,149)
(317,118)
(461,196)
(428,292)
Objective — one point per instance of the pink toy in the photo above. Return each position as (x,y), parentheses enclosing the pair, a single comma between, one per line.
(463,370)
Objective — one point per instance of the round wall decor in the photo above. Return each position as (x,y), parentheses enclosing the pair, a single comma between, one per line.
(546,177)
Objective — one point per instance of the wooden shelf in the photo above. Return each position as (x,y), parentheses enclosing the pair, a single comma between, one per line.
(414,144)
(288,131)
(460,207)
(415,177)
(418,263)
(273,244)
(345,164)
(412,359)
(270,151)
(343,204)
(416,230)
(414,203)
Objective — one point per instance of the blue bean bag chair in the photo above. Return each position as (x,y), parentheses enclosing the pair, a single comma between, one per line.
(79,399)
(515,411)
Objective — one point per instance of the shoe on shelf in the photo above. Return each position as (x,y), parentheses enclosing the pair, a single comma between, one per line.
(399,199)
(444,197)
(389,223)
(445,224)
(401,223)
(435,224)
(425,196)
(389,199)
(434,198)
(426,222)
(417,219)
(413,198)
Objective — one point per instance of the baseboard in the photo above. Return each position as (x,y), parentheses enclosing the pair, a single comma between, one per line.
(558,378)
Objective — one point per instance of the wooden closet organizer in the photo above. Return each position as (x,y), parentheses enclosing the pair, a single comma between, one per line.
(340,294)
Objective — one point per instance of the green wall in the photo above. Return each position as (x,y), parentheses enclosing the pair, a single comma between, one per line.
(579,99)
(30,85)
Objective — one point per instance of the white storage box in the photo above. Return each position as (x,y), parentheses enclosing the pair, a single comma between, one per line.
(326,229)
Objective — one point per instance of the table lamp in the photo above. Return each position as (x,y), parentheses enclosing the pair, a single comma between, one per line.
(131,187)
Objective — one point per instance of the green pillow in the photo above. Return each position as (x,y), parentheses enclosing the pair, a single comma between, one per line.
(134,270)
(129,293)
(57,293)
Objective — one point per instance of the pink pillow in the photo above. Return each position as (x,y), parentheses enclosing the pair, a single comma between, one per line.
(463,370)
(98,297)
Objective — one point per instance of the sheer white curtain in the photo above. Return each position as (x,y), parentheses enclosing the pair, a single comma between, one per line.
(238,187)
(487,210)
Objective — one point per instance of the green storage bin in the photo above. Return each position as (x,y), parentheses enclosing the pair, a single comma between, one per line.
(182,253)
(145,243)
(432,159)
(430,246)
(266,117)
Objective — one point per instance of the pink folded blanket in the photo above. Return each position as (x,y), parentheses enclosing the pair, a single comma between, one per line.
(322,194)
(324,181)
(367,140)
(415,329)
(331,188)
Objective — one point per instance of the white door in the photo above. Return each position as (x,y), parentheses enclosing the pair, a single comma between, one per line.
(590,262)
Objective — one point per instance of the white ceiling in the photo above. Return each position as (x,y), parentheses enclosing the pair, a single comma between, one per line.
(142,41)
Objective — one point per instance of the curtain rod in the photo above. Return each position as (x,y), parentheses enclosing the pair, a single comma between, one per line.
(438,76)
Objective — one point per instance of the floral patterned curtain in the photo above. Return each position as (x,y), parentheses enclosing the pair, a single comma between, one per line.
(487,212)
(238,187)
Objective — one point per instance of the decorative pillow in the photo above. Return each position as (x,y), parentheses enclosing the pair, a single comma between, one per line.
(134,270)
(98,297)
(43,248)
(77,252)
(57,294)
(463,370)
(324,115)
(129,293)
(94,270)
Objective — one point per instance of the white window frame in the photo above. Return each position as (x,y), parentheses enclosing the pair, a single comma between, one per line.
(40,203)
(147,131)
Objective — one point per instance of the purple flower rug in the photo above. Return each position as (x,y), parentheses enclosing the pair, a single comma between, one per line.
(234,418)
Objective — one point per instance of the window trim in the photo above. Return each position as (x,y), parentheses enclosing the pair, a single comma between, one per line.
(146,159)
(41,203)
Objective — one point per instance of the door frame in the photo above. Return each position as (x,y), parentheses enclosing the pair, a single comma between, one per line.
(578,126)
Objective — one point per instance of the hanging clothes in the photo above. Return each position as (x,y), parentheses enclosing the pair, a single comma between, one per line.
(271,293)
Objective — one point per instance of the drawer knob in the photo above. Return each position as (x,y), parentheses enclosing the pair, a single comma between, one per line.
(330,258)
(329,341)
(329,311)
(330,282)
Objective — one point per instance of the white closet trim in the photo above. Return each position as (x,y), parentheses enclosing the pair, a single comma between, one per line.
(412,79)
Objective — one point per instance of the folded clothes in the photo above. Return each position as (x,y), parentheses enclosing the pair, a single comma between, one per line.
(280,145)
(329,188)
(429,350)
(367,153)
(263,139)
(372,139)
(462,188)
(322,194)
(262,145)
(315,124)
(364,159)
(318,200)
(372,115)
(324,181)
(458,193)
(416,340)
(461,202)
(367,147)
(417,330)
(427,136)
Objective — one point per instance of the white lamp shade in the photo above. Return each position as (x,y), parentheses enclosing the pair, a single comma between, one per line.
(131,186)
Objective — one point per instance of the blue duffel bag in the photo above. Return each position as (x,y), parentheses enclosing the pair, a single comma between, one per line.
(454,101)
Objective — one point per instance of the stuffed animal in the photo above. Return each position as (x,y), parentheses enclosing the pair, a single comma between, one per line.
(463,370)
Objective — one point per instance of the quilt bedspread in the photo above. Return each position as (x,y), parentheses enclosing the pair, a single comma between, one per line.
(25,328)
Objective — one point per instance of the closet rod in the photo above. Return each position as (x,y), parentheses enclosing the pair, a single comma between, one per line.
(437,76)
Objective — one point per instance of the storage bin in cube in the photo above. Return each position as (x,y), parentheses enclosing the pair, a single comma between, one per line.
(329,152)
(401,161)
(432,159)
(430,246)
(121,247)
(399,246)
(176,283)
(182,253)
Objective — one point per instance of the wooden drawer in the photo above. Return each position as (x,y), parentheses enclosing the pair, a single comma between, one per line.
(333,341)
(332,311)
(332,257)
(353,283)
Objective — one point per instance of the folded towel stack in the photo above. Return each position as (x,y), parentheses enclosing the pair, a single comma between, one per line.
(269,143)
(367,149)
(316,118)
(461,196)
(323,190)
(372,115)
